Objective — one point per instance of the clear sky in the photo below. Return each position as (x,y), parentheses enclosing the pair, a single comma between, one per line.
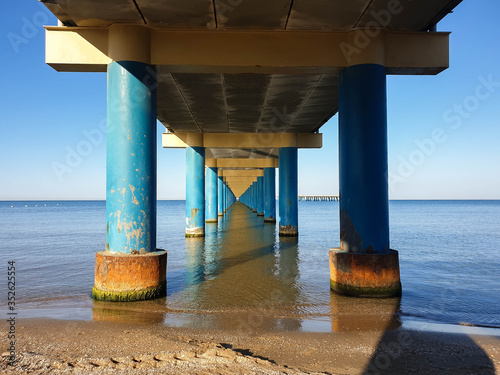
(444,133)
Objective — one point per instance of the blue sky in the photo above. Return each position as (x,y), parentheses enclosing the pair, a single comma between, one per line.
(444,133)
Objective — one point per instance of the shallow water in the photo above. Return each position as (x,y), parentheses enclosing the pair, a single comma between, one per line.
(243,276)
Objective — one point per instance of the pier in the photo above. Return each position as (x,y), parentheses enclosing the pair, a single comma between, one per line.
(319,198)
(215,79)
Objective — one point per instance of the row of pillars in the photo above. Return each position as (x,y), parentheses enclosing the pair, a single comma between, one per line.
(207,195)
(364,264)
(261,196)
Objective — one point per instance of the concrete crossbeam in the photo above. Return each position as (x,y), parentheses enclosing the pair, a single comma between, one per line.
(88,49)
(246,163)
(239,179)
(242,173)
(242,140)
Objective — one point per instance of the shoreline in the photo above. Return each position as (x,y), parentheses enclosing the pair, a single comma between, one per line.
(55,346)
(310,323)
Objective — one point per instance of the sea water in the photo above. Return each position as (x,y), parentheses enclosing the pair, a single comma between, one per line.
(449,255)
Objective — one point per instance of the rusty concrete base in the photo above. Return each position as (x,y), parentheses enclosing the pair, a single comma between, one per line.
(195,232)
(254,210)
(289,231)
(211,221)
(270,220)
(127,277)
(365,275)
(220,214)
(260,214)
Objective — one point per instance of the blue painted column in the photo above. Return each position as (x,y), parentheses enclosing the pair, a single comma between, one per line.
(364,197)
(260,196)
(364,265)
(130,160)
(195,191)
(269,195)
(211,195)
(224,206)
(250,197)
(220,196)
(130,189)
(288,195)
(224,193)
(254,196)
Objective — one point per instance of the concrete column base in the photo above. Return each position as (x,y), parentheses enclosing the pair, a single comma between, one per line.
(365,275)
(270,220)
(211,220)
(130,277)
(289,231)
(220,214)
(260,214)
(254,210)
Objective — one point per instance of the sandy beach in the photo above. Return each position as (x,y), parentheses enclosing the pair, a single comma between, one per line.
(83,347)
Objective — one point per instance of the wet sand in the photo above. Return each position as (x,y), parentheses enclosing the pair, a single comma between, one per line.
(85,347)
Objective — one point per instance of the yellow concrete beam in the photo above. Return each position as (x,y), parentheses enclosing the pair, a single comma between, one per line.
(242,173)
(242,140)
(238,192)
(247,163)
(211,163)
(240,179)
(84,49)
(238,186)
(240,183)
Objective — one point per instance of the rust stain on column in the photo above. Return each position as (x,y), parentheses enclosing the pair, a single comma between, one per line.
(365,275)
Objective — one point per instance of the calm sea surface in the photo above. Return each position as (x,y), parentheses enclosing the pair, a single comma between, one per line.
(449,257)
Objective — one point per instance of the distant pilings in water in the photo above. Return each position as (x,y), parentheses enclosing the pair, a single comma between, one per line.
(318,198)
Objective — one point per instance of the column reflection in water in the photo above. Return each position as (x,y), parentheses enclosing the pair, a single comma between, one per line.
(240,270)
(364,314)
(151,312)
(288,259)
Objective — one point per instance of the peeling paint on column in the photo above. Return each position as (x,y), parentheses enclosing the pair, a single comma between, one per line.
(195,191)
(131,148)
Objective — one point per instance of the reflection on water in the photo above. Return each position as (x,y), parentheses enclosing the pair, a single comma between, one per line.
(364,314)
(240,266)
(243,277)
(119,313)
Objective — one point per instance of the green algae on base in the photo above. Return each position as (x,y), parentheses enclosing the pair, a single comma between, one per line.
(193,235)
(356,291)
(129,295)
